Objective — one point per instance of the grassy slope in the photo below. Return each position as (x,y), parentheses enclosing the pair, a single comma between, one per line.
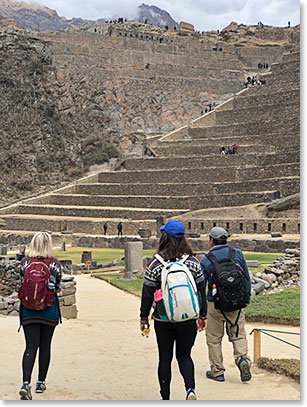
(106,255)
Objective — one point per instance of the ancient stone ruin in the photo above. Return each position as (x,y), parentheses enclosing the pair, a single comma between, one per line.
(283,273)
(186,176)
(10,284)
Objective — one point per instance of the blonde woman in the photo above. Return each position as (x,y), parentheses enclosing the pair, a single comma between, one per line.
(39,309)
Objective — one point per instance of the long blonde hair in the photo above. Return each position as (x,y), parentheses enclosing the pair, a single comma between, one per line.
(41,245)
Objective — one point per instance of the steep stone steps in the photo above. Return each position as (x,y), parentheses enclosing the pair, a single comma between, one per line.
(282,123)
(123,201)
(282,98)
(233,160)
(195,174)
(283,184)
(143,213)
(213,140)
(91,226)
(261,114)
(184,149)
(139,213)
(273,139)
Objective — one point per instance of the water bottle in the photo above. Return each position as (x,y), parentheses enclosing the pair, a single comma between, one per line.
(214,291)
(159,304)
(146,331)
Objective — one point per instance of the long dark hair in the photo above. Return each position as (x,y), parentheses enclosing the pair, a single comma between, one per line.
(171,247)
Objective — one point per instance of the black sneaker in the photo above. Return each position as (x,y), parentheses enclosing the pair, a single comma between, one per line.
(244,370)
(191,395)
(25,391)
(219,378)
(40,387)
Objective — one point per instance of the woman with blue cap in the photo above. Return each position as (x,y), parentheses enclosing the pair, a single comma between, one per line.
(174,254)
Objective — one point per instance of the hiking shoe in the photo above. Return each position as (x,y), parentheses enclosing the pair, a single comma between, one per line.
(219,378)
(244,370)
(191,395)
(25,392)
(40,387)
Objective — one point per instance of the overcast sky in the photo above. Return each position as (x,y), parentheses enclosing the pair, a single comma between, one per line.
(204,14)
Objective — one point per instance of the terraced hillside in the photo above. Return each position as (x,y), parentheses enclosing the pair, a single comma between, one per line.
(186,173)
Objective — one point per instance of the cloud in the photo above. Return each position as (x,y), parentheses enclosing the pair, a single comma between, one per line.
(204,14)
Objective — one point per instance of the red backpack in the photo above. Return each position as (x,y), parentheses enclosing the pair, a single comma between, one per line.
(33,292)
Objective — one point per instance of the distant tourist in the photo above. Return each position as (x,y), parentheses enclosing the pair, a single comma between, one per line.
(202,111)
(289,25)
(105,228)
(234,149)
(226,311)
(120,229)
(188,313)
(39,309)
(222,150)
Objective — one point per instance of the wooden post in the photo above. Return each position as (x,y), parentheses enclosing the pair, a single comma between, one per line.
(257,345)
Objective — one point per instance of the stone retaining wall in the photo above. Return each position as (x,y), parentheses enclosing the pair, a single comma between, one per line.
(10,284)
(184,189)
(283,273)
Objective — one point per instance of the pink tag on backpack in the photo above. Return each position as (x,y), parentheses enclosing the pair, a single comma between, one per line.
(158,295)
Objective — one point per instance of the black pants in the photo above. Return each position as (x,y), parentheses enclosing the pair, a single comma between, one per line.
(37,336)
(184,334)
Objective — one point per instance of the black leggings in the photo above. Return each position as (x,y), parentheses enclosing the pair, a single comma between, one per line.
(184,333)
(37,336)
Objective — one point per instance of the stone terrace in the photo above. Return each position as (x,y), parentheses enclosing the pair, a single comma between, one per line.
(186,172)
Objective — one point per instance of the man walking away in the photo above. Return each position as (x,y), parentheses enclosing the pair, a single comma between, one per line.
(120,229)
(105,227)
(225,302)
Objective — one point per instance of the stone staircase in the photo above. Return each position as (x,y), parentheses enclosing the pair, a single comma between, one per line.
(186,172)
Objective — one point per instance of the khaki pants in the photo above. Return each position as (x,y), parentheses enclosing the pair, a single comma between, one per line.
(215,333)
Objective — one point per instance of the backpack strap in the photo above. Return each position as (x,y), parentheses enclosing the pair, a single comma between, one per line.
(231,253)
(211,257)
(161,260)
(184,258)
(236,321)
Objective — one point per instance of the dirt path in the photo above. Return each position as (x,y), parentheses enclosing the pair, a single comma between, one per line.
(102,355)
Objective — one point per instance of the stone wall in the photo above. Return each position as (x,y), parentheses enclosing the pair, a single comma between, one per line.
(10,284)
(283,273)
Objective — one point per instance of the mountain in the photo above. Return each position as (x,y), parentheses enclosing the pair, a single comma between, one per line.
(33,16)
(155,16)
(36,17)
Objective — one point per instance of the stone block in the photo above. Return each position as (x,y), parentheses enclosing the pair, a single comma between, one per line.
(252,263)
(134,257)
(69,300)
(69,312)
(86,256)
(3,305)
(67,278)
(144,233)
(258,287)
(68,291)
(276,234)
(260,280)
(68,284)
(270,278)
(3,250)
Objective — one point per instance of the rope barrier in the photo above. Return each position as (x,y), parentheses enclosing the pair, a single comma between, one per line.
(265,332)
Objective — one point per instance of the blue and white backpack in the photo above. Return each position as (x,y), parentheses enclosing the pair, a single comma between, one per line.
(179,291)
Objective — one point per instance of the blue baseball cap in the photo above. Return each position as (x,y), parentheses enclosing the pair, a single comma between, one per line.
(174,228)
